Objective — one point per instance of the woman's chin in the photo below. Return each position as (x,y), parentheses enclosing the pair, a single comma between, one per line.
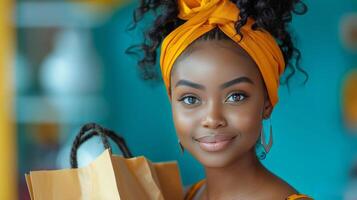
(216,159)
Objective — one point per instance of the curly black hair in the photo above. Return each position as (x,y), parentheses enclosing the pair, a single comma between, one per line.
(272,15)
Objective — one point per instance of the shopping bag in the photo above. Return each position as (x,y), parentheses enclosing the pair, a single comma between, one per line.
(108,177)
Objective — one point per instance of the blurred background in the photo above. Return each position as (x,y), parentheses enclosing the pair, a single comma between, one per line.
(63,64)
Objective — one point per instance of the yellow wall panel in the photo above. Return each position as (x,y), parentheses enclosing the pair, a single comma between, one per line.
(8,168)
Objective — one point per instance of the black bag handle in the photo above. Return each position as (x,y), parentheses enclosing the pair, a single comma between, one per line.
(89,130)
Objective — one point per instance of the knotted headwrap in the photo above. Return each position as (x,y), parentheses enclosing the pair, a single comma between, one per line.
(203,16)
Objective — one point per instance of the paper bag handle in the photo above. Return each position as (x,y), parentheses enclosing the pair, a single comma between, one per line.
(92,129)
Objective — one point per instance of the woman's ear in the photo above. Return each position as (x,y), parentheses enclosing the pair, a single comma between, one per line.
(170,96)
(268,109)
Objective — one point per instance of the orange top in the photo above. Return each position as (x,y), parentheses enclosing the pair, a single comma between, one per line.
(193,190)
(204,15)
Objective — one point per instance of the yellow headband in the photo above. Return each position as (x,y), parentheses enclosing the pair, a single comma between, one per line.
(203,16)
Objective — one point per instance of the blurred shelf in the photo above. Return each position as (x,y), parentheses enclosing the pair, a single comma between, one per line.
(61,109)
(57,14)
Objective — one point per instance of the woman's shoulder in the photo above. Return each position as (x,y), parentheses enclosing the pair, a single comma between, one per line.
(284,190)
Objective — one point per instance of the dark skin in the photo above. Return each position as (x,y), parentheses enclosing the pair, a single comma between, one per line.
(216,88)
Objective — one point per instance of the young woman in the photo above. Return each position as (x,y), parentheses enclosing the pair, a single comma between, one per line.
(221,62)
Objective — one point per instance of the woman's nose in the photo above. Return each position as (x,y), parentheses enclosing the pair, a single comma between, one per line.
(214,118)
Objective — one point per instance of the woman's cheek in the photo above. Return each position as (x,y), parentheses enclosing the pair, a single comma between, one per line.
(183,121)
(248,123)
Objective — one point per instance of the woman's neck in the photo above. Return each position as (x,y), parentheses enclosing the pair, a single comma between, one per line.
(240,179)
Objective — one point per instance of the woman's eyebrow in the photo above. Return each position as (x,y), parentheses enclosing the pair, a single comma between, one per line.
(236,81)
(190,84)
(242,79)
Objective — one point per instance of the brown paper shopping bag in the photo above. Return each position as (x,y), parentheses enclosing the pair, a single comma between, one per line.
(108,177)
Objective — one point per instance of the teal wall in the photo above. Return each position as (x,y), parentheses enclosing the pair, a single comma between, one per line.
(312,150)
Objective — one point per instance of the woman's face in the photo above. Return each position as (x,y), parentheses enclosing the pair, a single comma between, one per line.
(218,102)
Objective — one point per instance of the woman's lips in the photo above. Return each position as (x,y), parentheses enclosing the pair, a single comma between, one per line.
(215,142)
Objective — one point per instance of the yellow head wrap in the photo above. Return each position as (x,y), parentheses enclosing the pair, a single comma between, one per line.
(203,16)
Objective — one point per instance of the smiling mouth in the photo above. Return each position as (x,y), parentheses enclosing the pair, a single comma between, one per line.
(215,142)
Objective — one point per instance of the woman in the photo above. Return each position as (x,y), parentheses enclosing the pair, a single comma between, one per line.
(221,62)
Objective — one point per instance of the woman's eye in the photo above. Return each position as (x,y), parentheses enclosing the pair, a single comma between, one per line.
(189,100)
(236,97)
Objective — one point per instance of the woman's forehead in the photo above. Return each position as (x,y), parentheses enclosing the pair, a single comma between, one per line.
(214,62)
